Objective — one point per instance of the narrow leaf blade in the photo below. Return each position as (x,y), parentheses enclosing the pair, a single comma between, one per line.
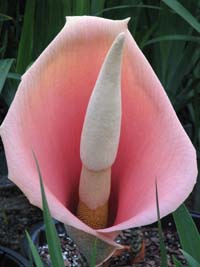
(51,234)
(163,251)
(51,13)
(5,18)
(184,13)
(173,37)
(94,254)
(81,7)
(24,57)
(5,65)
(176,262)
(188,233)
(192,262)
(97,6)
(34,251)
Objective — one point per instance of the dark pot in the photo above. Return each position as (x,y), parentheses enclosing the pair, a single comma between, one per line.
(38,237)
(196,218)
(10,258)
(136,254)
(38,232)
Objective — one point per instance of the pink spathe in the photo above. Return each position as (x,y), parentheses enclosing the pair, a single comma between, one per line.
(47,117)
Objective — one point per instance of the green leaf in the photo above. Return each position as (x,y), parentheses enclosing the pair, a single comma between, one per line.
(97,6)
(81,7)
(14,76)
(191,260)
(146,36)
(184,13)
(51,233)
(49,19)
(24,56)
(5,65)
(196,110)
(126,7)
(183,65)
(187,231)
(94,254)
(4,43)
(4,6)
(34,251)
(5,17)
(9,90)
(176,262)
(163,251)
(173,37)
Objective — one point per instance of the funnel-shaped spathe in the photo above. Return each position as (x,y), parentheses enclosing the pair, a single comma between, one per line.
(47,116)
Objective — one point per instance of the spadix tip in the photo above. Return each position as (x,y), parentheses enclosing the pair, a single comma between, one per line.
(119,40)
(102,124)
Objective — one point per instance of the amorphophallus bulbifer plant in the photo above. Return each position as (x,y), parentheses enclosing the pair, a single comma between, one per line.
(103,130)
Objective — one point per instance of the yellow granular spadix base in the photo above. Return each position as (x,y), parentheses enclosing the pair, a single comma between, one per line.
(96,219)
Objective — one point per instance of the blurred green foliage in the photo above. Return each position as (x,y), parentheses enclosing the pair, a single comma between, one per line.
(167,31)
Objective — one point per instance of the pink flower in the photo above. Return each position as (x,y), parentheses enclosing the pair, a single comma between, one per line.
(47,116)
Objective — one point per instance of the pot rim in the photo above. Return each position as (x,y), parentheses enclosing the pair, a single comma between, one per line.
(15,256)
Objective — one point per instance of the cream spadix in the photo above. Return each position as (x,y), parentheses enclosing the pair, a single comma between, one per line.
(101,129)
(100,139)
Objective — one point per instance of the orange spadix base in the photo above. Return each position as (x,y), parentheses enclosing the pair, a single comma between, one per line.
(94,193)
(96,219)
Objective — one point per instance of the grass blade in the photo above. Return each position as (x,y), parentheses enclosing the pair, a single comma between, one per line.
(5,65)
(97,6)
(147,35)
(190,260)
(4,17)
(4,43)
(184,13)
(34,251)
(173,37)
(176,262)
(163,252)
(51,13)
(81,7)
(24,56)
(51,233)
(14,76)
(126,7)
(187,231)
(94,253)
(9,90)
